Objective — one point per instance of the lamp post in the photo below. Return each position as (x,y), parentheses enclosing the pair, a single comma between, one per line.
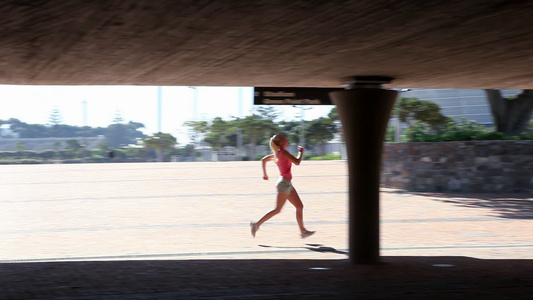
(84,120)
(194,102)
(159,107)
(194,116)
(301,139)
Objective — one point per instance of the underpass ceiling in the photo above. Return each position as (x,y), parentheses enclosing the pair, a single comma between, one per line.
(422,44)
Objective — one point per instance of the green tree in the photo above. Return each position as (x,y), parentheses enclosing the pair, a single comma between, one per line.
(511,115)
(159,142)
(58,130)
(55,117)
(196,130)
(62,130)
(291,129)
(104,146)
(334,114)
(257,128)
(189,150)
(463,130)
(120,135)
(73,148)
(57,145)
(32,131)
(55,120)
(57,148)
(19,146)
(268,112)
(73,145)
(319,131)
(414,110)
(217,131)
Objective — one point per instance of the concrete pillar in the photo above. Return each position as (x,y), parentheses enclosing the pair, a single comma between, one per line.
(364,112)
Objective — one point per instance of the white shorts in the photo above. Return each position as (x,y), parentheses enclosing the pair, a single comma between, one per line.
(284,185)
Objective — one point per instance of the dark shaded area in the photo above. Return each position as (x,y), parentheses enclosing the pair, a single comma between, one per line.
(396,278)
(510,206)
(502,208)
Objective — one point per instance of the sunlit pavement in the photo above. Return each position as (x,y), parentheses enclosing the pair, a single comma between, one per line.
(195,210)
(179,212)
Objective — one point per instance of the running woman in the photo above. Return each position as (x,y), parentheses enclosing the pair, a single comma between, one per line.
(284,160)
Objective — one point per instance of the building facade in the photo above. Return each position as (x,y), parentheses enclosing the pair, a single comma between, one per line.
(471,104)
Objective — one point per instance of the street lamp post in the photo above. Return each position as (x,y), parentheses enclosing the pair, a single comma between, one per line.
(301,139)
(159,108)
(194,116)
(84,120)
(194,102)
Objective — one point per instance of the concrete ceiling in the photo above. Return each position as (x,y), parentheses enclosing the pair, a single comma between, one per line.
(422,44)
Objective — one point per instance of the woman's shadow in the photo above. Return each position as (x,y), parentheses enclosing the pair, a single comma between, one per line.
(312,247)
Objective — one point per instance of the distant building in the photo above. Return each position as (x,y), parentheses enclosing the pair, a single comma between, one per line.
(459,103)
(6,132)
(41,144)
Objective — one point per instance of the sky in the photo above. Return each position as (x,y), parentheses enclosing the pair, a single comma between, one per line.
(97,106)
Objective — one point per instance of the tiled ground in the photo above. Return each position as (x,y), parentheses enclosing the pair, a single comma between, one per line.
(190,209)
(201,211)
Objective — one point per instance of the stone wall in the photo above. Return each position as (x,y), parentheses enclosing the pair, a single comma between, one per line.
(478,166)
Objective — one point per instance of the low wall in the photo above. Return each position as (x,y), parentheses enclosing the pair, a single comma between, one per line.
(41,144)
(480,166)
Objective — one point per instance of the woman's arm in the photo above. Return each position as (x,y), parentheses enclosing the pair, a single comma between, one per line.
(294,160)
(264,160)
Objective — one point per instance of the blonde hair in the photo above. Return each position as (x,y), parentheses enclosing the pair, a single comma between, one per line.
(274,144)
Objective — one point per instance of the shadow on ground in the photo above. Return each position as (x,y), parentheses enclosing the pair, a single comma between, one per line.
(503,208)
(395,278)
(312,247)
(510,206)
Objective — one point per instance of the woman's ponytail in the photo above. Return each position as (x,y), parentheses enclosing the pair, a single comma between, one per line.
(274,141)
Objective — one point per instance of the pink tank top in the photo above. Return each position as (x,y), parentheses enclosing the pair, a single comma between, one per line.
(284,166)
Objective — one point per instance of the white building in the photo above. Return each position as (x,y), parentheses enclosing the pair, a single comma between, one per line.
(6,132)
(459,103)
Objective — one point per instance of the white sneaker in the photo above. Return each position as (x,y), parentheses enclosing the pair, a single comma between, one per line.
(254,228)
(307,233)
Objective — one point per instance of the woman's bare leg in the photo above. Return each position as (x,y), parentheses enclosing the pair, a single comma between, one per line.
(280,201)
(295,200)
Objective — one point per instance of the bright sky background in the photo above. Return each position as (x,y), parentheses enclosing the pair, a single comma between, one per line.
(33,104)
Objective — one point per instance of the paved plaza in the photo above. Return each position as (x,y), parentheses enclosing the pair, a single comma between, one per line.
(171,216)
